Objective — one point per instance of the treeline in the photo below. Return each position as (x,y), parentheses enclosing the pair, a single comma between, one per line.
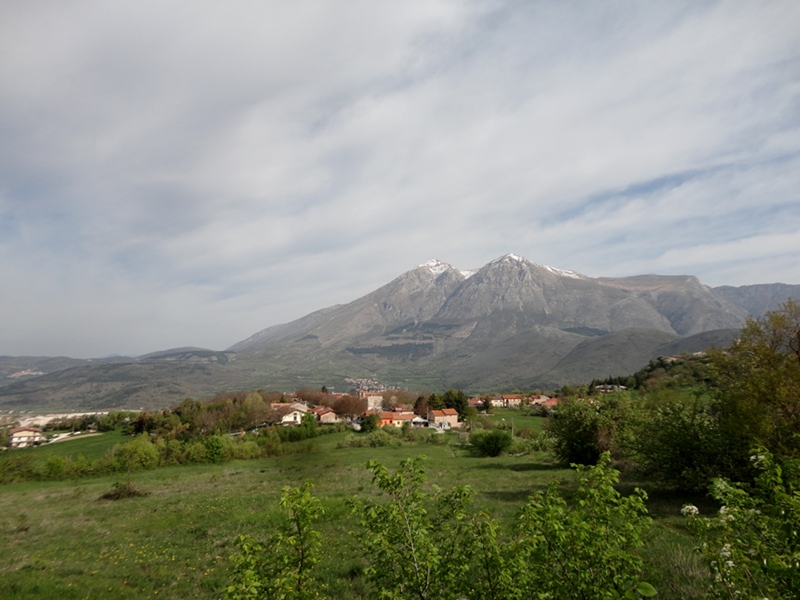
(147,451)
(232,412)
(95,422)
(745,397)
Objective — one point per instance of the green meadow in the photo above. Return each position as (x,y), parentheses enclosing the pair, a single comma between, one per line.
(176,541)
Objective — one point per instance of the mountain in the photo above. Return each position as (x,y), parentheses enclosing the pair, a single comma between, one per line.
(154,380)
(510,324)
(757,300)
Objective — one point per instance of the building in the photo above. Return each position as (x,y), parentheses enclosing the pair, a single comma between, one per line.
(512,400)
(22,437)
(444,419)
(325,415)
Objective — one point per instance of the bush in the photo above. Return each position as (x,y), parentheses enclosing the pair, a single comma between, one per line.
(575,431)
(137,454)
(424,546)
(587,550)
(241,449)
(752,544)
(679,446)
(491,443)
(215,448)
(284,566)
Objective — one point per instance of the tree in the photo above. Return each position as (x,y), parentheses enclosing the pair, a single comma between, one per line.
(349,407)
(308,425)
(758,381)
(575,428)
(678,443)
(421,407)
(370,423)
(458,400)
(435,402)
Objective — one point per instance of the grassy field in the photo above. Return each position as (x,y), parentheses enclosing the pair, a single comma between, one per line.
(516,419)
(61,542)
(90,445)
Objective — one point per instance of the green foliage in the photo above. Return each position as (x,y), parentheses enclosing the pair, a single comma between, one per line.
(370,423)
(753,544)
(376,439)
(575,429)
(414,553)
(215,448)
(281,569)
(458,400)
(662,373)
(759,387)
(679,444)
(308,425)
(587,550)
(137,454)
(421,545)
(492,442)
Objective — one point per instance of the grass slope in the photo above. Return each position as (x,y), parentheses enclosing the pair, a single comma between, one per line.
(62,542)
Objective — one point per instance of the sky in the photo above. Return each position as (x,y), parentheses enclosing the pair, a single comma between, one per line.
(187,173)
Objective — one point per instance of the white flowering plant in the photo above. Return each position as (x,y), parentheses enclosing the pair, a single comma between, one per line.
(752,544)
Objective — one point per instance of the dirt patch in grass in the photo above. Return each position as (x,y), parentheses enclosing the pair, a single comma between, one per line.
(120,491)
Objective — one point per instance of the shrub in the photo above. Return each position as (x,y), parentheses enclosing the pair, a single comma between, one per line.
(753,544)
(414,552)
(215,448)
(137,454)
(679,445)
(282,567)
(587,550)
(492,442)
(195,452)
(241,449)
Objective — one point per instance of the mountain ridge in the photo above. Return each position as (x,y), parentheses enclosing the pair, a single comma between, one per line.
(512,323)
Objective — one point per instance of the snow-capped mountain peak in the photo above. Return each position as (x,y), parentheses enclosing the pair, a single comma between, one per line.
(564,272)
(437,267)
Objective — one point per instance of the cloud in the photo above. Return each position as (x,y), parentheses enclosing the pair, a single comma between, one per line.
(188,173)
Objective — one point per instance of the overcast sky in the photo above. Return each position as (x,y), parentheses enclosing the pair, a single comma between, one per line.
(188,173)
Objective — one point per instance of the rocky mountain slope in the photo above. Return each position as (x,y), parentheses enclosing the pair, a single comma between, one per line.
(510,324)
(758,299)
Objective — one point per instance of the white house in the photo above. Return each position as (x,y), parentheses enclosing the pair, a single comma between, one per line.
(22,437)
(293,417)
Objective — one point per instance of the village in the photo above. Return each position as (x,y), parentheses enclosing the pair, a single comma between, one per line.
(330,409)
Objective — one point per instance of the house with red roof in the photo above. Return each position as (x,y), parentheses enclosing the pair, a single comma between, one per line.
(446,418)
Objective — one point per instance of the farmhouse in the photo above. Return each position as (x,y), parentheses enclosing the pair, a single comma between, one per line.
(293,417)
(512,400)
(325,415)
(444,419)
(22,437)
